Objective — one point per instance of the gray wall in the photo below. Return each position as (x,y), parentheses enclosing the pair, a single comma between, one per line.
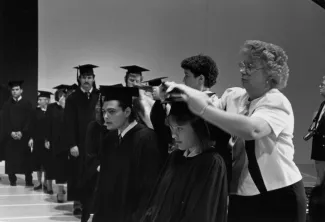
(158,34)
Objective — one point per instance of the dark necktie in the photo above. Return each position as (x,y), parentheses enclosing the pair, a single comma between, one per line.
(120,139)
(88,94)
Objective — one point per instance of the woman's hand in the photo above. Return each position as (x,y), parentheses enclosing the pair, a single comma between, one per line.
(197,101)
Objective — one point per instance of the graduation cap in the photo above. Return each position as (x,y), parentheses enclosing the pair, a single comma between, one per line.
(61,87)
(87,70)
(155,82)
(73,87)
(14,83)
(134,69)
(103,88)
(120,93)
(44,94)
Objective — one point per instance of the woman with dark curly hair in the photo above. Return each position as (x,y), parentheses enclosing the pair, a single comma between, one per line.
(193,183)
(269,185)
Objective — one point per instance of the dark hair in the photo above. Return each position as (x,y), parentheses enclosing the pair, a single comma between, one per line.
(180,114)
(202,65)
(20,87)
(123,105)
(58,94)
(126,77)
(316,205)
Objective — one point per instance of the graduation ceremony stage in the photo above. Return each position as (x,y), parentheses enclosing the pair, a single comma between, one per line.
(20,204)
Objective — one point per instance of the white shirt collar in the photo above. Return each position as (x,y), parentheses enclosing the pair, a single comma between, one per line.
(43,109)
(187,153)
(85,91)
(127,129)
(19,98)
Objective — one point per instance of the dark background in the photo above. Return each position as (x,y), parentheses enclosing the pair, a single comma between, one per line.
(19,45)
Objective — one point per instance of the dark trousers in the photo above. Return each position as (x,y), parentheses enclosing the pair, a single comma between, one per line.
(13,178)
(287,204)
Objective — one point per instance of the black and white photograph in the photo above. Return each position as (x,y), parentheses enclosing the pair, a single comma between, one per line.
(162,111)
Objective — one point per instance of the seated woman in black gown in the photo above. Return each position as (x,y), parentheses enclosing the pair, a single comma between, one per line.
(193,183)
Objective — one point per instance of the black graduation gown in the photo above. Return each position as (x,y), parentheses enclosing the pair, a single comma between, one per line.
(17,117)
(39,127)
(190,189)
(56,137)
(94,136)
(78,113)
(127,174)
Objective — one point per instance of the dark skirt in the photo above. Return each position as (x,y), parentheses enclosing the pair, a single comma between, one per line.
(287,204)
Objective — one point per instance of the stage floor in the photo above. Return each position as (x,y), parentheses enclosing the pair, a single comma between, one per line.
(22,204)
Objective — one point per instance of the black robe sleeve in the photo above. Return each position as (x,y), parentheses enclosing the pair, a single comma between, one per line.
(49,119)
(92,144)
(150,162)
(70,120)
(32,130)
(157,116)
(27,125)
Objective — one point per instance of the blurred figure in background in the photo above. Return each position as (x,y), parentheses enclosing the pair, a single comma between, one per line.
(55,142)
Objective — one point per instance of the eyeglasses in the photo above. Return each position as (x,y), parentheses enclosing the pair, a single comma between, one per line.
(248,68)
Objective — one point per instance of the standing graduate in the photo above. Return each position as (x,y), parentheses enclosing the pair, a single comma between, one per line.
(133,75)
(16,122)
(158,114)
(142,104)
(56,141)
(96,131)
(193,184)
(130,160)
(78,113)
(40,155)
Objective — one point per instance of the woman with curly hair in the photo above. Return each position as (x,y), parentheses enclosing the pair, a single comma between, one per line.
(269,185)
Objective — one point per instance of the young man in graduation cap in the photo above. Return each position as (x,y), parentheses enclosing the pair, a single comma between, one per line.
(157,115)
(41,154)
(133,75)
(142,104)
(16,128)
(78,113)
(130,162)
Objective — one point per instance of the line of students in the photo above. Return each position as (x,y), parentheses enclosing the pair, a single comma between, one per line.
(118,161)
